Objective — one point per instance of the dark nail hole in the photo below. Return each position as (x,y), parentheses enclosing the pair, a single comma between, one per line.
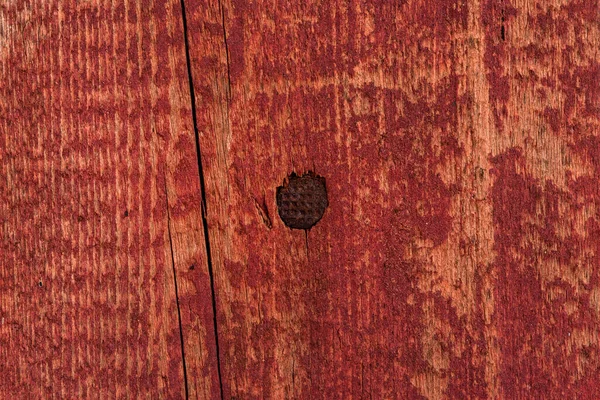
(40,284)
(126,213)
(302,200)
(192,267)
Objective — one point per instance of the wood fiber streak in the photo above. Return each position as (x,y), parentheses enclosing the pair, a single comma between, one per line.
(459,256)
(99,192)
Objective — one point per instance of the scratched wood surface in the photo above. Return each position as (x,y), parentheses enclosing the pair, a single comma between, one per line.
(100,205)
(459,256)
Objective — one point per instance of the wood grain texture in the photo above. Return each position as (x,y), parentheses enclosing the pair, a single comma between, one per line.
(459,254)
(100,205)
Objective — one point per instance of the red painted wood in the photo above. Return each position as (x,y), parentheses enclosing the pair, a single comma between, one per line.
(458,257)
(96,133)
(459,254)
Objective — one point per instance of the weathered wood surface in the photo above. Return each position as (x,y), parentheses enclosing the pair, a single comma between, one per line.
(459,256)
(99,195)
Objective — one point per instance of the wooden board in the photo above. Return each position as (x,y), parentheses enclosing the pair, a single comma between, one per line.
(459,254)
(141,146)
(100,205)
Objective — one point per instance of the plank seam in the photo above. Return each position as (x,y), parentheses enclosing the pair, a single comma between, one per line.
(202,193)
(185,379)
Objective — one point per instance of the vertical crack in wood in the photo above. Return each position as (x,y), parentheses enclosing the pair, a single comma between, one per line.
(502,28)
(203,190)
(226,51)
(185,379)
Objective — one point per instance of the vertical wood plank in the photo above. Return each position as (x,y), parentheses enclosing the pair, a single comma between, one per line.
(458,257)
(100,205)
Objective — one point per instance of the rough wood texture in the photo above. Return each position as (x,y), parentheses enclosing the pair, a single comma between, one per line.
(96,134)
(459,256)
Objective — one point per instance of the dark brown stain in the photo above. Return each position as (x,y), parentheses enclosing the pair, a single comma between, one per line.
(302,200)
